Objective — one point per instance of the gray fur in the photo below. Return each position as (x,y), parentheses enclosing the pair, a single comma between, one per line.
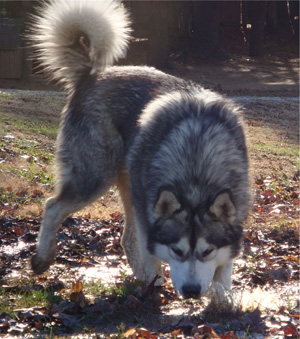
(145,131)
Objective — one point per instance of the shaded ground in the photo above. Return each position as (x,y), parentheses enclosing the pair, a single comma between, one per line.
(75,297)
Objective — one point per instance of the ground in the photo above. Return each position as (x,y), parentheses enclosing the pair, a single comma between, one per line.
(89,291)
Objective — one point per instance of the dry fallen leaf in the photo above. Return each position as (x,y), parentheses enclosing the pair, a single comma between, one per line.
(290,331)
(136,333)
(77,286)
(206,330)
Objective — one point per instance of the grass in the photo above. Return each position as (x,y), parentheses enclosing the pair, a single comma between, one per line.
(26,152)
(9,196)
(29,114)
(123,289)
(94,288)
(35,175)
(34,149)
(7,96)
(287,151)
(12,301)
(22,146)
(40,126)
(24,296)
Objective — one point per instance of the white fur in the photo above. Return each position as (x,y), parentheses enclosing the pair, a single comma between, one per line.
(61,23)
(196,272)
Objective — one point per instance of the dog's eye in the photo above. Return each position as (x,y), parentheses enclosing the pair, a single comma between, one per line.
(207,252)
(177,251)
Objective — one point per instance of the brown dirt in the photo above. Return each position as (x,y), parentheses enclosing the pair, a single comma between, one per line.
(245,76)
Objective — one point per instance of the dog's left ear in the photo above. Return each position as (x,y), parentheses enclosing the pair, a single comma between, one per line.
(223,208)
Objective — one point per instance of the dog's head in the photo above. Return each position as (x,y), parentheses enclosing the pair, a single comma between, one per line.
(194,242)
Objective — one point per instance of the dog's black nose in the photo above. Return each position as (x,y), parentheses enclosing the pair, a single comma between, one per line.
(191,291)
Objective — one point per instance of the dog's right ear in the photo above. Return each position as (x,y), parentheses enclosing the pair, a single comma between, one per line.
(166,205)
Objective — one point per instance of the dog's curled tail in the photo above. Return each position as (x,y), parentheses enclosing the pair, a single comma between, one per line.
(79,37)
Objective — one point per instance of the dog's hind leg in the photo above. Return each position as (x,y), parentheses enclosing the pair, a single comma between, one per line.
(88,163)
(70,199)
(56,210)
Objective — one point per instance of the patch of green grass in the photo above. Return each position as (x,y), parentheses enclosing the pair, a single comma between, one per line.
(9,196)
(23,197)
(121,330)
(31,113)
(35,175)
(128,287)
(10,301)
(25,124)
(32,148)
(287,151)
(37,126)
(6,95)
(94,288)
(124,289)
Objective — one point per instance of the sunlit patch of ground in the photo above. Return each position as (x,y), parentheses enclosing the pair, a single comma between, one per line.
(108,271)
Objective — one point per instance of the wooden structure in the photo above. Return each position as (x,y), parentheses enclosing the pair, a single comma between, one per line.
(11,56)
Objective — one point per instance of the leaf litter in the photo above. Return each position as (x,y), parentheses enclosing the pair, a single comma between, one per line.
(65,302)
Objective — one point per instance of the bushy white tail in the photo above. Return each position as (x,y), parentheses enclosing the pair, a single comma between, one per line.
(74,38)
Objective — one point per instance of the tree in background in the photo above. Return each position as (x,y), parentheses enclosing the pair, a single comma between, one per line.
(205,37)
(257,15)
(189,26)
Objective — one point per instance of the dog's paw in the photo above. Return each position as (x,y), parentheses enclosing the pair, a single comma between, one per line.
(39,265)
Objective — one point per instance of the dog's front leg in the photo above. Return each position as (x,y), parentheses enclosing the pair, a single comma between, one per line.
(130,241)
(144,265)
(134,240)
(223,275)
(151,265)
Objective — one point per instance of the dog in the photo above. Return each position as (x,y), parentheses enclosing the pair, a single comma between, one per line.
(176,151)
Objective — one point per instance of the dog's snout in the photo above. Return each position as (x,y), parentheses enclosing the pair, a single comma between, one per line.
(191,291)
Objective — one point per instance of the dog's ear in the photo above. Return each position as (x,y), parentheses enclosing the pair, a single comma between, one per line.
(223,208)
(166,204)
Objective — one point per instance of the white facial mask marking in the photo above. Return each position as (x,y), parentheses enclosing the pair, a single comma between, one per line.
(193,271)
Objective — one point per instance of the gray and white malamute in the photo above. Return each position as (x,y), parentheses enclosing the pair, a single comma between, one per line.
(176,152)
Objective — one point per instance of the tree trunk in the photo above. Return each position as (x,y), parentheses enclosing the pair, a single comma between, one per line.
(257,13)
(294,17)
(205,40)
(157,14)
